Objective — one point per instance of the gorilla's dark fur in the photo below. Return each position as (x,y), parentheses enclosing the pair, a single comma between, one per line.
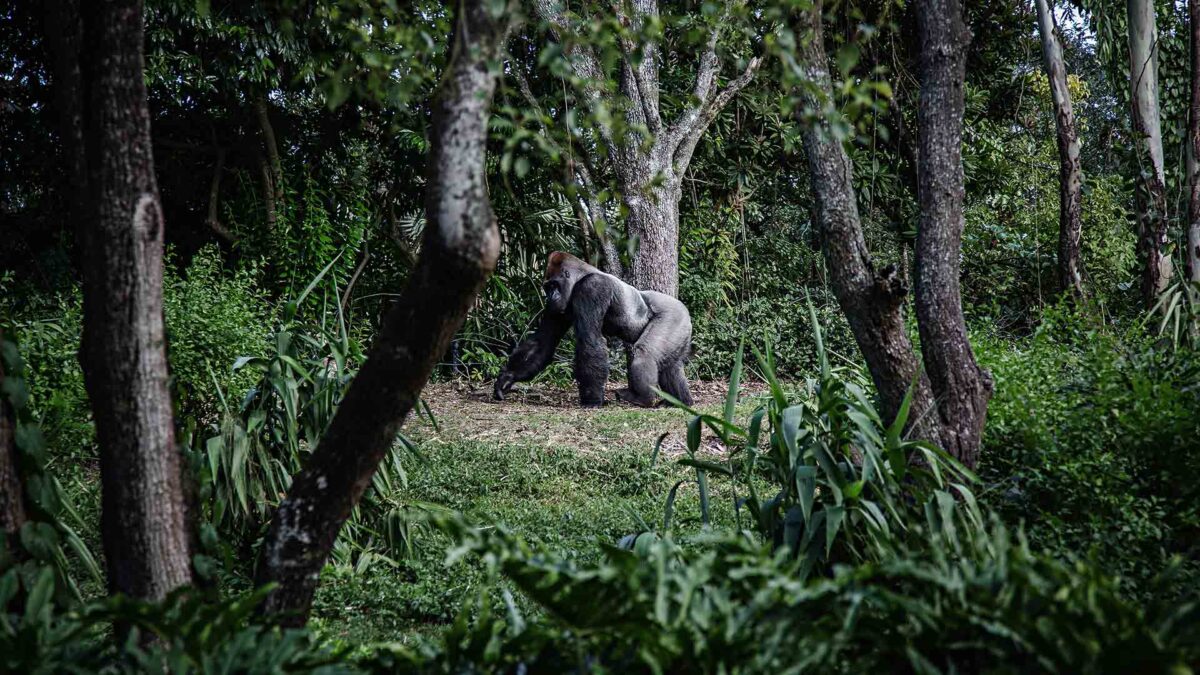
(656,329)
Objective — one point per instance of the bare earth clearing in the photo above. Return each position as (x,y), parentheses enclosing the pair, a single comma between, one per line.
(549,416)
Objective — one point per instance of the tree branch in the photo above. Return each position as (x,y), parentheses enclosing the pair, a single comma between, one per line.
(686,133)
(583,58)
(586,205)
(706,71)
(643,76)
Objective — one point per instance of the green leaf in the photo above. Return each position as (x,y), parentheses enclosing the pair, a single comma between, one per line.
(706,466)
(37,606)
(735,378)
(693,435)
(833,523)
(847,57)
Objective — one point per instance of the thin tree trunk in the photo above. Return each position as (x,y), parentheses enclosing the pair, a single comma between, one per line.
(1070,172)
(1192,256)
(872,300)
(459,253)
(961,387)
(268,189)
(12,495)
(262,113)
(214,200)
(1152,195)
(143,520)
(64,32)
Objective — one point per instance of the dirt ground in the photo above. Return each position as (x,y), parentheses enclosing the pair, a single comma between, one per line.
(543,415)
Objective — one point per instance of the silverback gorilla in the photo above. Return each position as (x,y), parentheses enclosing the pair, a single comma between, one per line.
(656,329)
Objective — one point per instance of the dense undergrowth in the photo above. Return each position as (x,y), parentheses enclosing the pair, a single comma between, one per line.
(809,542)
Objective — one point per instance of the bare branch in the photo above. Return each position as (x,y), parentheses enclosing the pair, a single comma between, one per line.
(688,131)
(706,72)
(640,80)
(214,200)
(586,205)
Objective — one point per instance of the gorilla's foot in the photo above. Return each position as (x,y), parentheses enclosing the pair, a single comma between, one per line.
(628,396)
(592,404)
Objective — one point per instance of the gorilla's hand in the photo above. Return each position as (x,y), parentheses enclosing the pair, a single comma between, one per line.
(504,384)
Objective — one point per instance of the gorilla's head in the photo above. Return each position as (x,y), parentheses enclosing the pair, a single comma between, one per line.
(562,271)
(556,294)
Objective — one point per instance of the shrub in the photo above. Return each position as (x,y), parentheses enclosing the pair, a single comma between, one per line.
(213,317)
(192,633)
(920,581)
(1091,442)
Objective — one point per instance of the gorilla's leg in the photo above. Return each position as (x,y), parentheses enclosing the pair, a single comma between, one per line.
(589,303)
(643,375)
(534,354)
(659,352)
(672,380)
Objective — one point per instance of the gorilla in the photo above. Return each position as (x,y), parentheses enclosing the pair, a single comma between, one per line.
(655,327)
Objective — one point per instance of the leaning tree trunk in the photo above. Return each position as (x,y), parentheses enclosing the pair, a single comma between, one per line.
(873,301)
(143,519)
(1192,256)
(459,253)
(1152,193)
(961,387)
(1070,173)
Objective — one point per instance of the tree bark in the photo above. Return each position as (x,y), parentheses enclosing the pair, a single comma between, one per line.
(1070,172)
(1192,256)
(12,494)
(268,189)
(961,387)
(653,220)
(143,520)
(1152,193)
(262,113)
(214,200)
(459,253)
(872,300)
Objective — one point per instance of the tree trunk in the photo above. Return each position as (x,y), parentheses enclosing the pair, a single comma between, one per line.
(262,113)
(12,495)
(1070,173)
(459,253)
(653,220)
(143,520)
(1152,193)
(872,301)
(267,185)
(961,387)
(214,200)
(1192,256)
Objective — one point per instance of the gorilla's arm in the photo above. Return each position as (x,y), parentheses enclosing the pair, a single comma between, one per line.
(534,354)
(590,302)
